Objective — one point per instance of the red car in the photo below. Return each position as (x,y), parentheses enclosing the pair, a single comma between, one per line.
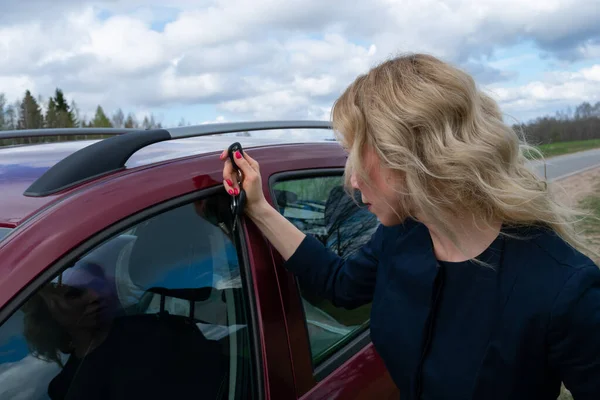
(126,273)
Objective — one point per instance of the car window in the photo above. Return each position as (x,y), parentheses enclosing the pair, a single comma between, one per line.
(4,232)
(319,206)
(157,311)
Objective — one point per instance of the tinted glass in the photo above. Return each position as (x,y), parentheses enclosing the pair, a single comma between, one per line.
(155,312)
(319,206)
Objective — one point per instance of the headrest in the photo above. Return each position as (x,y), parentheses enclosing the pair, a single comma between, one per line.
(284,197)
(173,250)
(195,294)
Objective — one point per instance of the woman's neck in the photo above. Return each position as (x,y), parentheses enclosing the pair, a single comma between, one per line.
(473,239)
(84,342)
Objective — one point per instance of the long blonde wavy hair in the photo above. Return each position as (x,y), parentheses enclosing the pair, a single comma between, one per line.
(427,120)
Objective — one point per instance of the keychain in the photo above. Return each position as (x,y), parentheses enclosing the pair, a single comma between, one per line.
(237,202)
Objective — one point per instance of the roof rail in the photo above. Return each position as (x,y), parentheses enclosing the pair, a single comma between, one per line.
(110,155)
(24,133)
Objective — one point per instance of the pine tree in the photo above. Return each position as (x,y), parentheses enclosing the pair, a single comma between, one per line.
(61,102)
(30,113)
(76,114)
(131,122)
(118,119)
(100,119)
(146,123)
(10,118)
(2,111)
(64,114)
(149,122)
(51,115)
(153,123)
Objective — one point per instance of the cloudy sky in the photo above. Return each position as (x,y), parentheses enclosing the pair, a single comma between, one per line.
(231,60)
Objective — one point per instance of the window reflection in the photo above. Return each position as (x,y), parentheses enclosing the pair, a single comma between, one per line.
(155,312)
(319,206)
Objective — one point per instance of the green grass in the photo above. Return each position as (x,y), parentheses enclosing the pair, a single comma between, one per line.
(591,225)
(590,229)
(311,188)
(556,149)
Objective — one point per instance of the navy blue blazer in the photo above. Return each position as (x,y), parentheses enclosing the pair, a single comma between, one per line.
(465,331)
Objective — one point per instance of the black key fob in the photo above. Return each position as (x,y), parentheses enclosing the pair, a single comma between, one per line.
(232,150)
(240,199)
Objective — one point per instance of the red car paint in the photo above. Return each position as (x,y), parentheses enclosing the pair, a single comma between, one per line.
(46,232)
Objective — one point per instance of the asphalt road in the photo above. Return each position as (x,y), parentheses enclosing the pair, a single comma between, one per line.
(568,164)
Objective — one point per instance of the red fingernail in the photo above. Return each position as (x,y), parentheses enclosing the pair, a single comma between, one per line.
(236,191)
(229,182)
(230,191)
(238,154)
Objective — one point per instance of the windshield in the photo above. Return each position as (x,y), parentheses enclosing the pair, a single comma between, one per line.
(4,232)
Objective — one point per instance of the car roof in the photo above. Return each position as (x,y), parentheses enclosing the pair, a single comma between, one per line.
(21,165)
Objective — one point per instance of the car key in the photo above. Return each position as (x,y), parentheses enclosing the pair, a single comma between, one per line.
(238,202)
(231,151)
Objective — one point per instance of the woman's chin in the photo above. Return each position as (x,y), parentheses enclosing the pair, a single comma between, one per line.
(389,219)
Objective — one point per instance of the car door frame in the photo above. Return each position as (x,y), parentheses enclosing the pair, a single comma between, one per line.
(165,186)
(337,376)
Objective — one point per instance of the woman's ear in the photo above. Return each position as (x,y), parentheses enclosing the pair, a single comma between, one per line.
(397,181)
(391,176)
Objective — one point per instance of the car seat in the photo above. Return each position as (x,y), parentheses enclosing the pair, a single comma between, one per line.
(173,261)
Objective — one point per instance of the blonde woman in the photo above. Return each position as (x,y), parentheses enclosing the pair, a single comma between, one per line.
(478,290)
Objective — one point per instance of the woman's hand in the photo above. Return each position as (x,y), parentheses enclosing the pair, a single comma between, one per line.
(249,178)
(282,234)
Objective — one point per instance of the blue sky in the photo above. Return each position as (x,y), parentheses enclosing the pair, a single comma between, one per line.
(230,60)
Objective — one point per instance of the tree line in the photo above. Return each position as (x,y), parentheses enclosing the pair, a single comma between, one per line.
(30,112)
(57,112)
(581,123)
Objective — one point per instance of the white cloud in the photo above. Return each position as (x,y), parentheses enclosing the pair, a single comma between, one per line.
(26,379)
(228,57)
(591,74)
(123,45)
(15,86)
(218,120)
(556,91)
(174,87)
(590,49)
(278,104)
(280,59)
(318,86)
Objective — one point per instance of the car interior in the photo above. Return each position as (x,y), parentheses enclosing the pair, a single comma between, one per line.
(179,327)
(341,225)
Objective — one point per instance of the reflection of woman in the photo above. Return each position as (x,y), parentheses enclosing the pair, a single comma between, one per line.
(477,288)
(71,318)
(144,356)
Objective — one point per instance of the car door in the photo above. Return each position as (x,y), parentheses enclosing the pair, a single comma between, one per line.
(136,288)
(334,357)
